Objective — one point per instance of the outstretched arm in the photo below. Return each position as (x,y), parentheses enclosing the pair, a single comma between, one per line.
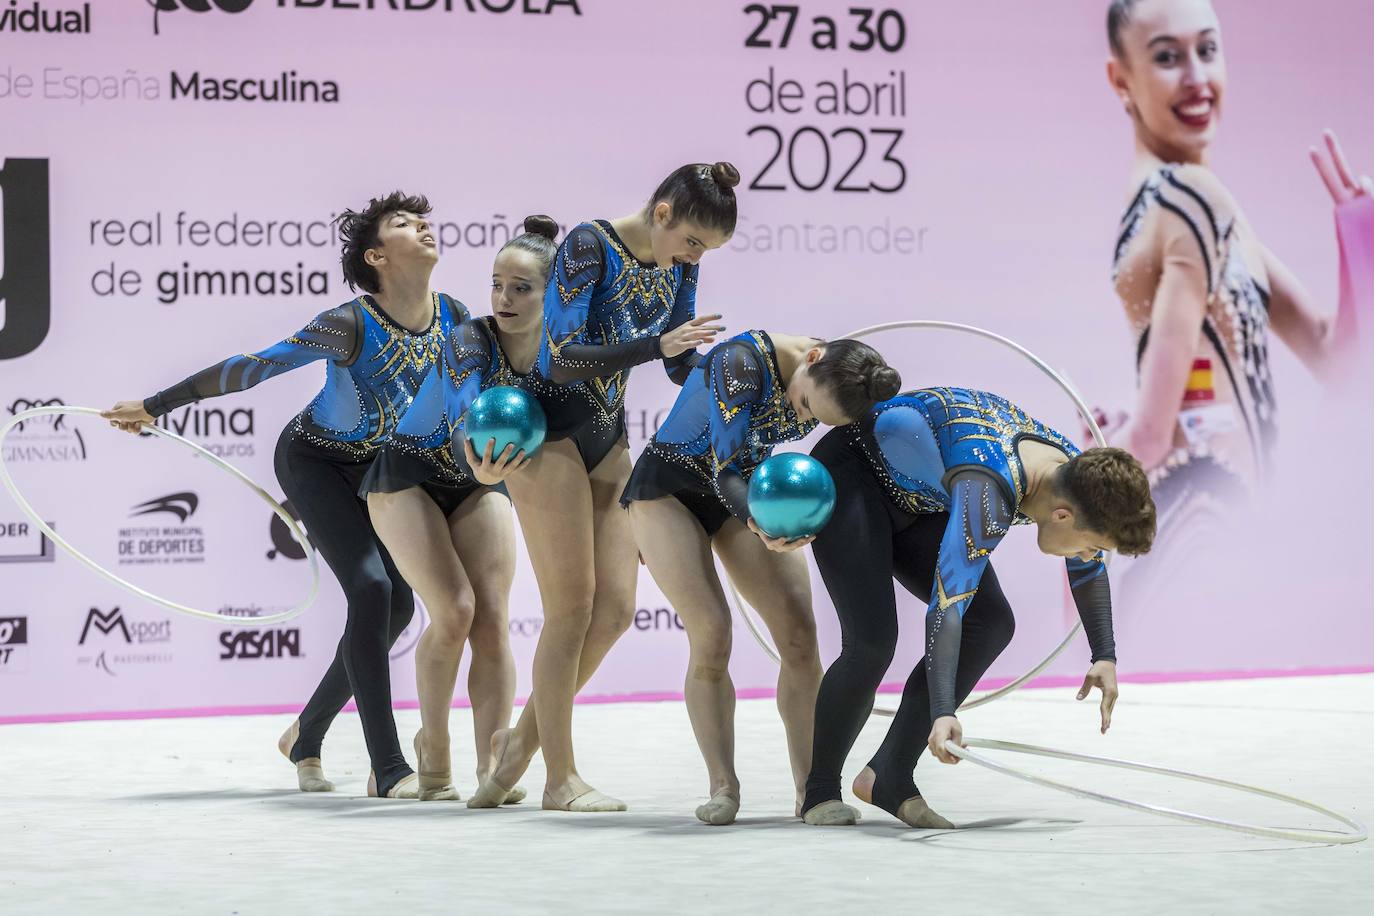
(335,335)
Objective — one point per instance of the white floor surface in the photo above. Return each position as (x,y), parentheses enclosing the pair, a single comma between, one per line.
(201,815)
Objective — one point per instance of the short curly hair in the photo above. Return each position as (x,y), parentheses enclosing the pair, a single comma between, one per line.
(1111,494)
(359,232)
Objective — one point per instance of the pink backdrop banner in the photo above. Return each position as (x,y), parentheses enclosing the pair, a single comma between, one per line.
(910,160)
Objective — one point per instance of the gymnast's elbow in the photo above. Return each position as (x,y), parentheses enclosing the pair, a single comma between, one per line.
(1150,442)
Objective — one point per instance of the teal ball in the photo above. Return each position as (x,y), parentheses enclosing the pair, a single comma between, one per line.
(791,496)
(508,416)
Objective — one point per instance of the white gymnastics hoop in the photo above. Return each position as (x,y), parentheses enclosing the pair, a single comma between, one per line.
(214,459)
(1361,832)
(747,614)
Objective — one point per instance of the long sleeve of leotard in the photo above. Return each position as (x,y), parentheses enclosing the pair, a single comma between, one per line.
(1092,595)
(568,354)
(684,310)
(467,363)
(735,379)
(335,335)
(979,518)
(1355,236)
(679,368)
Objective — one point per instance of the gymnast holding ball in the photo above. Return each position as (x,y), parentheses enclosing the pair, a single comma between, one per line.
(689,495)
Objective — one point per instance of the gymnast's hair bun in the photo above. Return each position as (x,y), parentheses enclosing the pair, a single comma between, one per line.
(725,174)
(883,382)
(539,224)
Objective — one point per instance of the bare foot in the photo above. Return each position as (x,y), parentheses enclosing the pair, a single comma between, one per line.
(863,785)
(721,809)
(576,795)
(309,771)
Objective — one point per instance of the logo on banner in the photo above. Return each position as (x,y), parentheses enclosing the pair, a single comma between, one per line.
(247,611)
(223,433)
(42,17)
(410,636)
(105,627)
(182,505)
(106,623)
(240,643)
(283,544)
(14,642)
(25,271)
(23,542)
(195,6)
(163,544)
(46,438)
(525,7)
(260,644)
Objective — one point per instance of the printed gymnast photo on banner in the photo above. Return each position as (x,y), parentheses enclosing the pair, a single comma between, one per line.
(535,422)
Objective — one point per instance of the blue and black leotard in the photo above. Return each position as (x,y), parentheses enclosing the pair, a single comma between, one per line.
(730,415)
(927,486)
(604,312)
(426,447)
(374,367)
(954,451)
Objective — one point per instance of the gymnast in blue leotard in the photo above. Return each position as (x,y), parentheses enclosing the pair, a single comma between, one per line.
(928,484)
(377,351)
(442,511)
(688,497)
(622,292)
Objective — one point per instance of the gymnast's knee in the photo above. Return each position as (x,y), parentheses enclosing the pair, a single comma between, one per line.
(369,591)
(797,643)
(868,654)
(710,643)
